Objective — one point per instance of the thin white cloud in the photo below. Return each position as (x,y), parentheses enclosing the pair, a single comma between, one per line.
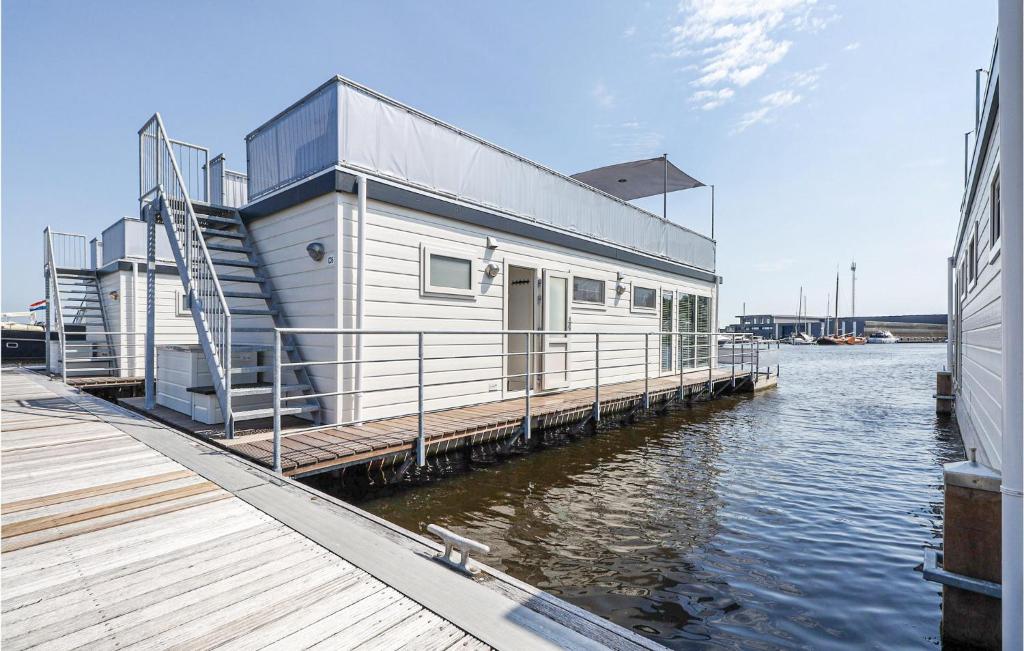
(603,96)
(850,47)
(629,32)
(770,104)
(732,43)
(808,78)
(632,138)
(712,99)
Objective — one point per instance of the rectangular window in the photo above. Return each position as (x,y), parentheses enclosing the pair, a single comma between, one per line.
(686,324)
(181,307)
(445,272)
(995,223)
(667,299)
(587,290)
(703,325)
(645,298)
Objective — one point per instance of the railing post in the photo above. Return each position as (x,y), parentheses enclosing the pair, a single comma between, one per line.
(647,370)
(277,400)
(529,383)
(229,416)
(63,357)
(732,360)
(681,364)
(421,447)
(46,277)
(711,381)
(597,377)
(150,343)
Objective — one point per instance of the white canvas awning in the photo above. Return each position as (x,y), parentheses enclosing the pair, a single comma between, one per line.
(639,178)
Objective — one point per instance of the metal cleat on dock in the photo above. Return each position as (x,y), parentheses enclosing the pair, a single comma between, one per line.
(464,547)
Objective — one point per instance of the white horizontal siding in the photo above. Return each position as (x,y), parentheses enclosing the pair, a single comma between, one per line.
(979,381)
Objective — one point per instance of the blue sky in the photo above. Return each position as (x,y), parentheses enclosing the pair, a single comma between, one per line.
(832,131)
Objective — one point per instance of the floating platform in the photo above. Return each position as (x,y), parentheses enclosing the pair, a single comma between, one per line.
(393,440)
(118,531)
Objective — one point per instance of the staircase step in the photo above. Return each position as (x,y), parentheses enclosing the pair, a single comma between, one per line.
(210,209)
(219,219)
(251,389)
(266,368)
(229,248)
(233,263)
(253,414)
(235,278)
(252,312)
(213,232)
(257,295)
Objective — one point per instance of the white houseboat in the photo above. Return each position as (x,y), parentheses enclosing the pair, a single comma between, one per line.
(980,563)
(365,214)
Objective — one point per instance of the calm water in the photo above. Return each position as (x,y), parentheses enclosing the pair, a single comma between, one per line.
(791,519)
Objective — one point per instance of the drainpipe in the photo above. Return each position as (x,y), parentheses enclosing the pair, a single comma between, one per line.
(360,291)
(1012,281)
(949,314)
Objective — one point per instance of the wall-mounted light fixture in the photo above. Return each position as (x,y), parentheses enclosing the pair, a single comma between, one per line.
(492,242)
(491,270)
(114,295)
(620,287)
(316,251)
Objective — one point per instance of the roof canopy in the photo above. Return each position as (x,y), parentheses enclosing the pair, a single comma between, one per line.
(639,178)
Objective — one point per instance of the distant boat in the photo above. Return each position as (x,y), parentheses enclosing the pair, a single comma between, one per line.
(882,337)
(799,339)
(854,340)
(832,340)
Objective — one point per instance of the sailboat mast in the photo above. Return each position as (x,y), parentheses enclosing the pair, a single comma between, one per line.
(799,306)
(836,324)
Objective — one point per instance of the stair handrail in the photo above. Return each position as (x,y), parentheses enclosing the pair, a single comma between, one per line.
(51,268)
(220,333)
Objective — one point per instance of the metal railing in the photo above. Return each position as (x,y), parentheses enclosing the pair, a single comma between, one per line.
(52,297)
(126,348)
(161,177)
(615,354)
(66,250)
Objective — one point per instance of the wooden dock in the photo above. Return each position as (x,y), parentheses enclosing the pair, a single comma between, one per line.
(105,382)
(393,440)
(117,531)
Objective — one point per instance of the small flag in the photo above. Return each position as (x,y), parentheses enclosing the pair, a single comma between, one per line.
(38,305)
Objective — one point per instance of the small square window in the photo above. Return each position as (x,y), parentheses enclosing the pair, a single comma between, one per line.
(644,298)
(446,272)
(588,290)
(972,256)
(181,307)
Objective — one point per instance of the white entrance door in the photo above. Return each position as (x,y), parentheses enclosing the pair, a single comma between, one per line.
(556,318)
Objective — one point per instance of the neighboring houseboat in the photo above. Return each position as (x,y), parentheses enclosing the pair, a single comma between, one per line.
(365,214)
(981,558)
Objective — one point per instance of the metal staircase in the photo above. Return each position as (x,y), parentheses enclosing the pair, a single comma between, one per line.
(213,250)
(74,299)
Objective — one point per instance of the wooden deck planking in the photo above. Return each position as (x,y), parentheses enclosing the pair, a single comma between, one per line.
(107,542)
(328,447)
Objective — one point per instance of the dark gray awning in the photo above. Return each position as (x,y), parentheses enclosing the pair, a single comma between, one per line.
(638,179)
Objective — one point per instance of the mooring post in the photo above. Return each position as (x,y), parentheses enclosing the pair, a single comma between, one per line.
(597,377)
(277,401)
(421,448)
(529,381)
(647,369)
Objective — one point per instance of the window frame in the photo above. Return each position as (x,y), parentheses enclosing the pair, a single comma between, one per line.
(603,303)
(641,309)
(995,219)
(427,288)
(180,303)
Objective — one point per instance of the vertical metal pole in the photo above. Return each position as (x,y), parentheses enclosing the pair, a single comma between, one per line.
(277,400)
(529,384)
(421,448)
(64,359)
(732,360)
(710,337)
(681,365)
(46,276)
(977,96)
(229,414)
(712,211)
(597,377)
(950,311)
(664,194)
(647,369)
(967,138)
(150,307)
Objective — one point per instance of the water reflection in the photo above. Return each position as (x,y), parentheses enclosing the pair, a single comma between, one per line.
(793,519)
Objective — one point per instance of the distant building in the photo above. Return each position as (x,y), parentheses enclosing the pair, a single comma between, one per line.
(906,326)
